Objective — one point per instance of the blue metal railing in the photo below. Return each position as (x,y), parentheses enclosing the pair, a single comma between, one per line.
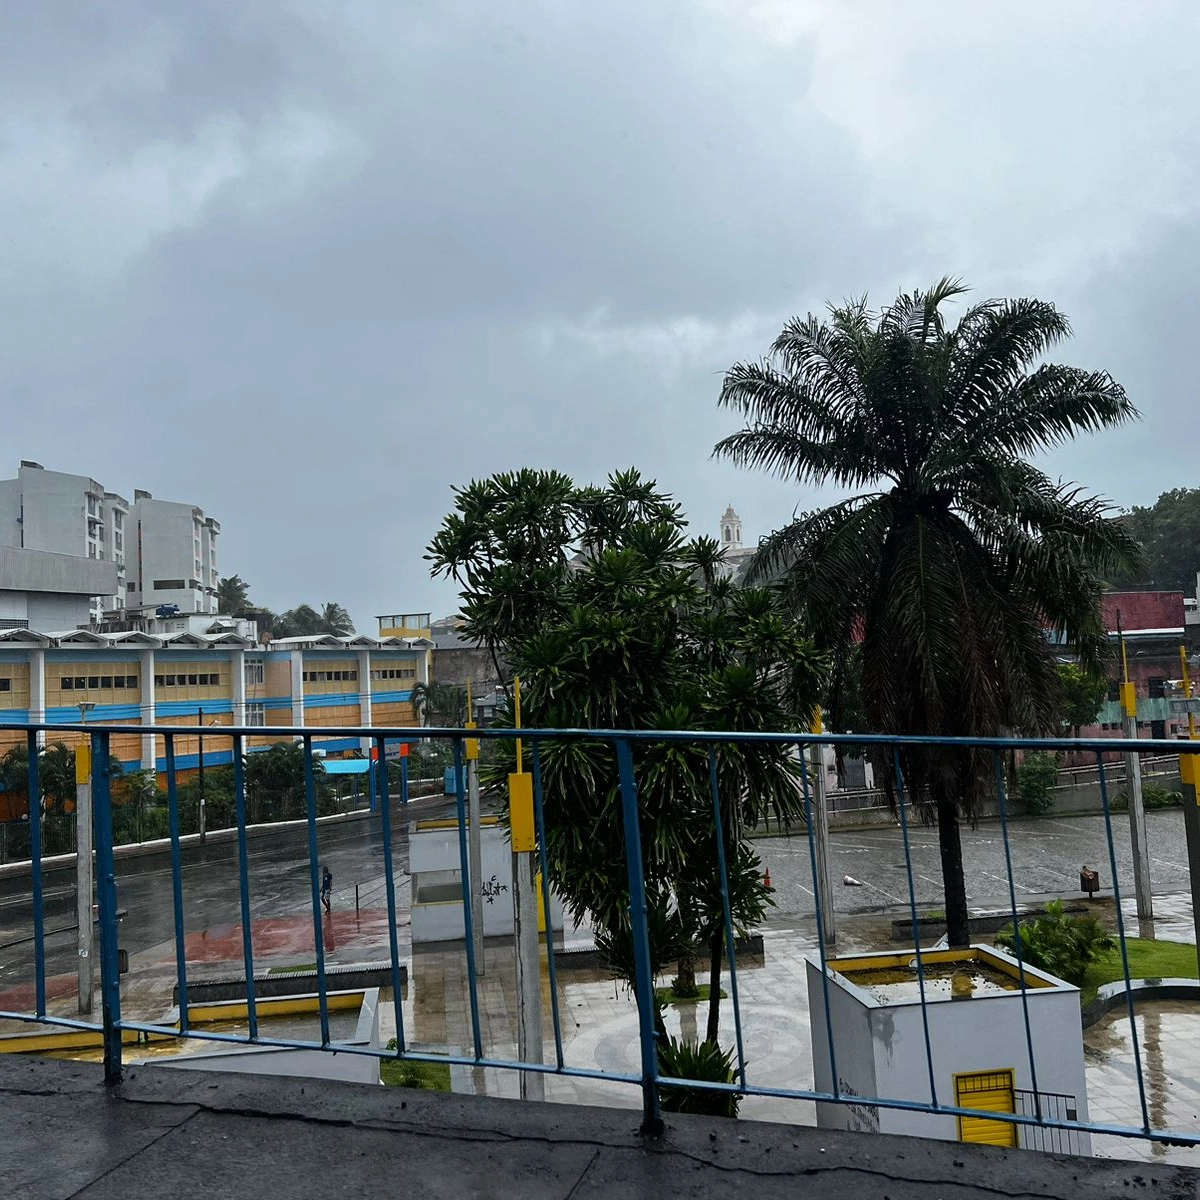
(113,1024)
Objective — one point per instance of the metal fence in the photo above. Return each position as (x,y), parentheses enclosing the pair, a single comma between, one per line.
(1047,1123)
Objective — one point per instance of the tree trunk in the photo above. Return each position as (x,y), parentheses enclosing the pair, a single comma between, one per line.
(714,985)
(687,976)
(953,881)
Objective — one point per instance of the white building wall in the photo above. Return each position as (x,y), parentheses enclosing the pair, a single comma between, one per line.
(983,1033)
(174,542)
(853,1051)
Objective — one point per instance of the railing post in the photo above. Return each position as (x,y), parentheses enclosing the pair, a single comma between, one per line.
(110,968)
(652,1122)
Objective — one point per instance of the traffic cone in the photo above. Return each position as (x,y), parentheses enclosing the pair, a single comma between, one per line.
(767,880)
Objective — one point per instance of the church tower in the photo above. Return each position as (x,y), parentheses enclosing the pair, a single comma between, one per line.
(731,530)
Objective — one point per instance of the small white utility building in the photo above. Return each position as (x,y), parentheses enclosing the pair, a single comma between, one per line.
(977,1040)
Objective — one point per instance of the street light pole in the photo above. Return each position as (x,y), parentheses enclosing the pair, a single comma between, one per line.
(83,863)
(1133,790)
(1189,775)
(200,751)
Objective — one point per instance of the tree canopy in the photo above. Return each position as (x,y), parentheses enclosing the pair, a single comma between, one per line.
(233,597)
(613,619)
(953,554)
(1169,530)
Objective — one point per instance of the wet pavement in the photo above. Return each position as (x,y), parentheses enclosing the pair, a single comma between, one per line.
(1046,856)
(599,1023)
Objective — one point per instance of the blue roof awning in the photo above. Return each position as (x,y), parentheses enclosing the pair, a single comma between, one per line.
(347,766)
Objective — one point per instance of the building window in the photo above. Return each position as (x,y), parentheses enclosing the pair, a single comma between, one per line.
(1157,687)
(80,683)
(106,681)
(255,671)
(5,685)
(93,681)
(68,683)
(169,585)
(256,714)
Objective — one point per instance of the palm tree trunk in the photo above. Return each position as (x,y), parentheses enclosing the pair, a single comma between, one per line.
(954,882)
(714,984)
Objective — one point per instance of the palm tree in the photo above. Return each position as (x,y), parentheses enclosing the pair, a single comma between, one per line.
(336,620)
(955,554)
(233,595)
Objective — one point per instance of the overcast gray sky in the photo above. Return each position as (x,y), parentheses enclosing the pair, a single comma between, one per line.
(308,265)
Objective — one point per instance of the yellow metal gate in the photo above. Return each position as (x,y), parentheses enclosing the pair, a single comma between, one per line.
(991,1091)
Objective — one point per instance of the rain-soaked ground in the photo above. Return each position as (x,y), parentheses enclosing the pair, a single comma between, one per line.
(597,1016)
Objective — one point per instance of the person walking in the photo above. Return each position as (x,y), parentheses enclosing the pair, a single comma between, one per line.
(326,886)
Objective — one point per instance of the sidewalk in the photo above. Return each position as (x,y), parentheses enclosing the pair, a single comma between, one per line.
(168,1133)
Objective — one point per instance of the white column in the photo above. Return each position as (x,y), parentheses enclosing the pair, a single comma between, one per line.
(37,691)
(297,665)
(365,714)
(237,667)
(149,748)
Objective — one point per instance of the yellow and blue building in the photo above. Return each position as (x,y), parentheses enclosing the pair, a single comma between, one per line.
(215,678)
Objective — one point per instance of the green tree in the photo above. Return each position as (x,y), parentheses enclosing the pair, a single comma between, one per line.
(233,595)
(301,621)
(336,620)
(275,784)
(1082,693)
(56,780)
(1169,529)
(440,704)
(955,553)
(613,620)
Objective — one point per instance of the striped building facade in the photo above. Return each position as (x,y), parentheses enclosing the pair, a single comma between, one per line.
(214,679)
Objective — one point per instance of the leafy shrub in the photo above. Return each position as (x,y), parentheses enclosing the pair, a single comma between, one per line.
(1035,780)
(1058,943)
(402,1073)
(1160,797)
(1153,797)
(697,1060)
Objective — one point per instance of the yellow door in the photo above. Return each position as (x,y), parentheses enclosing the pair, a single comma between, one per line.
(989,1091)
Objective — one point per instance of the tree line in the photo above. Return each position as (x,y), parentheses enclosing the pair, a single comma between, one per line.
(233,598)
(274,782)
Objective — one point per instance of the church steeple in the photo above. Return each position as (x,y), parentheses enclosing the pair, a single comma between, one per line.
(731,530)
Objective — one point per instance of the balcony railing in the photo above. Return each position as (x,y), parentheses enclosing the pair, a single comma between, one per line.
(1049,1120)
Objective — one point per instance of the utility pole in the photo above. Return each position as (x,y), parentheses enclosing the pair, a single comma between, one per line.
(1133,790)
(525,930)
(83,863)
(200,750)
(474,836)
(1189,774)
(820,817)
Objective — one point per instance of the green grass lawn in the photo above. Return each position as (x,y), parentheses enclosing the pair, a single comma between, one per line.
(1147,960)
(434,1077)
(667,995)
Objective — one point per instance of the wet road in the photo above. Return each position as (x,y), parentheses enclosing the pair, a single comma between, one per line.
(280,886)
(1046,856)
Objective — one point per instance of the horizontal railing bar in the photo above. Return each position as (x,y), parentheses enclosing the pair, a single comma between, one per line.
(1165,746)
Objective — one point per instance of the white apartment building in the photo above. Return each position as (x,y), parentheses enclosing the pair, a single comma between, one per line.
(174,559)
(66,514)
(164,552)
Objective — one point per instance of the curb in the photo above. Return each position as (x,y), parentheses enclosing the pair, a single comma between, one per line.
(1114,995)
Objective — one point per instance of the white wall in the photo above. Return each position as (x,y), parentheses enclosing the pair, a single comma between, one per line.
(983,1033)
(434,854)
(854,1053)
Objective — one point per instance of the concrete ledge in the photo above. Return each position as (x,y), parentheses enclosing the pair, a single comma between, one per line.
(347,977)
(1113,995)
(200,1134)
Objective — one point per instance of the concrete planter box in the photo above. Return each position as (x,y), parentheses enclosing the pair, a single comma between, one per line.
(976,1037)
